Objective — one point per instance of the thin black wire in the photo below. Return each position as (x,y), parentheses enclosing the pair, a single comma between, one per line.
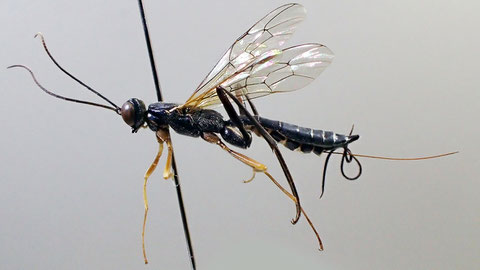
(174,164)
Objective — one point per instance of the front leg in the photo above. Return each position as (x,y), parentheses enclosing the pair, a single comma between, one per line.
(151,169)
(164,136)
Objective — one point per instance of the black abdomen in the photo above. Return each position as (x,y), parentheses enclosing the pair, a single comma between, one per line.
(300,138)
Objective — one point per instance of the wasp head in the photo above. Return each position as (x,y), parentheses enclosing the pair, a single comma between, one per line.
(133,113)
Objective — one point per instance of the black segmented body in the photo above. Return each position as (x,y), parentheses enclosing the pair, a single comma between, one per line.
(300,138)
(199,121)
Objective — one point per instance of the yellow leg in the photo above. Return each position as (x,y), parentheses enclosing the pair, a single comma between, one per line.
(255,165)
(251,178)
(259,167)
(150,170)
(164,136)
(167,173)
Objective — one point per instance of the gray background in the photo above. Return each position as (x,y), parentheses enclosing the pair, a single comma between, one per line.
(405,73)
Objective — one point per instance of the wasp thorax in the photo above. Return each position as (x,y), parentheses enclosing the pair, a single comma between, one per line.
(133,113)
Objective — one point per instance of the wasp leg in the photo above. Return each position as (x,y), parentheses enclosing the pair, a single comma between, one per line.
(258,167)
(222,94)
(239,95)
(251,178)
(233,114)
(167,173)
(254,109)
(150,170)
(164,136)
(243,94)
(303,211)
(240,98)
(255,165)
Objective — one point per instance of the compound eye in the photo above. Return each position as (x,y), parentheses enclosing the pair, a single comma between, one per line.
(128,113)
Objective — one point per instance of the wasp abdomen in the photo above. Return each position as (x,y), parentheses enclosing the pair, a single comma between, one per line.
(303,139)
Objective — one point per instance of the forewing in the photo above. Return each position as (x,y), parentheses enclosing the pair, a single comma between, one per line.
(290,70)
(269,33)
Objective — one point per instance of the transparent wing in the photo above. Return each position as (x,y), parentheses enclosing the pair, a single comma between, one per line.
(274,72)
(269,33)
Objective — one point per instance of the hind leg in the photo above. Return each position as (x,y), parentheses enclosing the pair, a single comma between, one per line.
(259,167)
(225,98)
(233,136)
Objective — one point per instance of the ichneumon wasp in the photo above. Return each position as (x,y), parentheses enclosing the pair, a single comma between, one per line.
(254,66)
